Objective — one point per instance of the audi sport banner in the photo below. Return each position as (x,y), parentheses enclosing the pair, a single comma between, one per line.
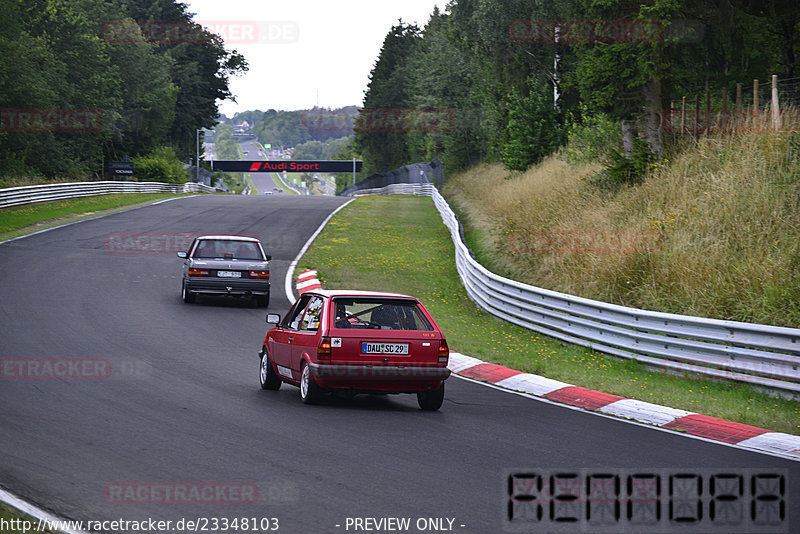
(286,166)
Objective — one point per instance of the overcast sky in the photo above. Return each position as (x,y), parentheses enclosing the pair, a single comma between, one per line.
(304,53)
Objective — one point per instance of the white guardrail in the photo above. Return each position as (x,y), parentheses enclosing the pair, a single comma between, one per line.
(28,194)
(762,355)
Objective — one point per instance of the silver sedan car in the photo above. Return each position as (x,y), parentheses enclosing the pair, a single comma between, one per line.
(226,265)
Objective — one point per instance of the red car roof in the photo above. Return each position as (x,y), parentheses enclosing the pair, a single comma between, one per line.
(357,293)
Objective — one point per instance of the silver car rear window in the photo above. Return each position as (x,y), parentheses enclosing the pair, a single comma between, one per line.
(227,249)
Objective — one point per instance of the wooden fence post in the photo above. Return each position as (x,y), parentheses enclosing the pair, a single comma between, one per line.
(739,117)
(696,122)
(683,115)
(755,104)
(776,112)
(724,122)
(670,119)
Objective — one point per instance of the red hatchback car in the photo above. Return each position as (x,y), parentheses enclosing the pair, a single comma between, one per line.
(359,342)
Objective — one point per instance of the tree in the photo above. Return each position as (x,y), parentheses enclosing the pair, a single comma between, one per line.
(65,57)
(347,151)
(782,18)
(380,130)
(533,129)
(202,69)
(161,165)
(622,74)
(54,63)
(444,81)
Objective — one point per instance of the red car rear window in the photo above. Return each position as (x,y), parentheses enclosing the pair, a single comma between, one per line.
(379,314)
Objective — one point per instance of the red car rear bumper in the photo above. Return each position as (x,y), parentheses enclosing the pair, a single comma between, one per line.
(378,377)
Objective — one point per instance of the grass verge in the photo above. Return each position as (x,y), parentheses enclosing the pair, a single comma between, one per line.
(253,190)
(17,522)
(713,231)
(280,183)
(20,220)
(400,244)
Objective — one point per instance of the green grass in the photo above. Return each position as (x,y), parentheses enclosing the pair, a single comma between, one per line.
(20,220)
(14,517)
(244,177)
(234,181)
(280,183)
(253,190)
(400,244)
(716,223)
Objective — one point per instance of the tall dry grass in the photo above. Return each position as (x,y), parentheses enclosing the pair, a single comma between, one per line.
(713,232)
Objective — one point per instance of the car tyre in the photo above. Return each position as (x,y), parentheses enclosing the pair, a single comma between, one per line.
(262,301)
(267,376)
(187,296)
(431,400)
(310,392)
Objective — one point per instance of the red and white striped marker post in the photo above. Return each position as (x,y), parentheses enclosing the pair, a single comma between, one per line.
(306,281)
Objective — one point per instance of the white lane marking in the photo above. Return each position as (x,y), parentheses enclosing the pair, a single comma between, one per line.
(287,286)
(90,219)
(34,511)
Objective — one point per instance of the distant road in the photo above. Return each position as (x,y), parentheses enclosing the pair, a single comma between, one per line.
(262,181)
(209,151)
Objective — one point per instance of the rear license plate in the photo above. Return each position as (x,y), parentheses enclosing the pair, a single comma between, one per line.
(229,274)
(384,348)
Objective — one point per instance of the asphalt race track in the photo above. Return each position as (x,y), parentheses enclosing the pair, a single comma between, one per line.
(170,399)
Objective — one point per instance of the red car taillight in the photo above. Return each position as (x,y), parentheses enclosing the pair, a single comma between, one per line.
(324,349)
(264,275)
(444,352)
(198,272)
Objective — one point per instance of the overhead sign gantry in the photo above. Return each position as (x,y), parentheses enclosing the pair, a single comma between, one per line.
(287,166)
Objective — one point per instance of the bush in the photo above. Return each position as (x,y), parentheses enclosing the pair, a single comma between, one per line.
(624,170)
(160,165)
(533,130)
(592,138)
